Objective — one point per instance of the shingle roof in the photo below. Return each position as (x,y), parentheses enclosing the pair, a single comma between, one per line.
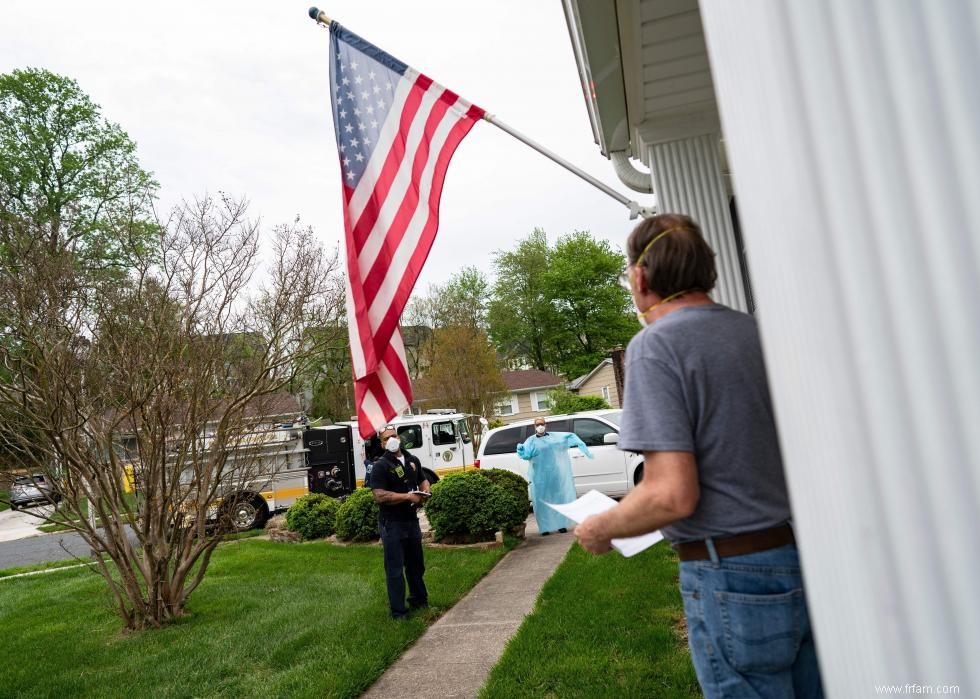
(524,379)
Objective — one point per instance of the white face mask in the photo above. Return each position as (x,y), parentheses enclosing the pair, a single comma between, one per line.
(539,429)
(393,444)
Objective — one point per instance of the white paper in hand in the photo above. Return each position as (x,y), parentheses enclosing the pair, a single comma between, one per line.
(593,503)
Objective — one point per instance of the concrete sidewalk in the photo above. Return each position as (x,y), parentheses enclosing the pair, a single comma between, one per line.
(454,657)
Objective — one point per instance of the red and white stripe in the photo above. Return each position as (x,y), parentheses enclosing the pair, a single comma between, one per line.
(391,219)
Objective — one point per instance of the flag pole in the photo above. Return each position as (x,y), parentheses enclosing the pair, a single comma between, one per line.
(633,206)
(635,209)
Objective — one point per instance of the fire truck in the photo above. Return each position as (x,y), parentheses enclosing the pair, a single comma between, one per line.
(333,460)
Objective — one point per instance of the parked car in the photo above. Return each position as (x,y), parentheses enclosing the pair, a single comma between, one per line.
(31,490)
(612,472)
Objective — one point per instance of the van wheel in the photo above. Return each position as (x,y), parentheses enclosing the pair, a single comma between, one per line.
(638,475)
(13,506)
(430,476)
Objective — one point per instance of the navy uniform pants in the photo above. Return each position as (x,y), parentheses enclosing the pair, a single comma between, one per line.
(402,542)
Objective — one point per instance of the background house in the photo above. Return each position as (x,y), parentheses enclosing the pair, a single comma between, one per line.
(601,382)
(527,395)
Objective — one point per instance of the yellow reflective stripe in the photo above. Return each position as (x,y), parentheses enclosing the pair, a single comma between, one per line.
(285,493)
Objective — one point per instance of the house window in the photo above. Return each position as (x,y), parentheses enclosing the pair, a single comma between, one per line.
(605,393)
(507,406)
(540,402)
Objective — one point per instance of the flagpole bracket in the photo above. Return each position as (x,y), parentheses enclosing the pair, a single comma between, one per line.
(641,211)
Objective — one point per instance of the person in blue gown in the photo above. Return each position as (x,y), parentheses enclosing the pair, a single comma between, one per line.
(550,473)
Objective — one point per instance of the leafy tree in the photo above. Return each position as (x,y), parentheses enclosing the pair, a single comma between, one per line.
(591,308)
(464,372)
(460,303)
(328,379)
(465,299)
(72,175)
(559,308)
(521,318)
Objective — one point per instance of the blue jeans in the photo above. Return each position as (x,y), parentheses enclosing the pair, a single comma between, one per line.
(748,626)
(402,542)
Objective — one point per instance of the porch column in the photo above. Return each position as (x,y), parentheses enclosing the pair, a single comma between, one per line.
(687,179)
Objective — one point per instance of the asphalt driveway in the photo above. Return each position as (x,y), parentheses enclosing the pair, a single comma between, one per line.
(42,549)
(21,544)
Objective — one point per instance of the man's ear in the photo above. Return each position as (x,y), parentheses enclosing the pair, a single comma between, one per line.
(641,279)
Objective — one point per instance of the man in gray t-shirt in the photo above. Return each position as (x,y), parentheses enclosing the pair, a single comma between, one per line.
(697,407)
(695,382)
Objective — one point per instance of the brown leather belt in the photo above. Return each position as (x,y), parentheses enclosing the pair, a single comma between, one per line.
(738,545)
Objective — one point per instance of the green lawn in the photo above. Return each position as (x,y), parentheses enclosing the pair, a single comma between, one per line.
(270,620)
(7,572)
(603,627)
(4,495)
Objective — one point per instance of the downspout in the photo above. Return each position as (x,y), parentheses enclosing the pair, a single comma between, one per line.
(636,180)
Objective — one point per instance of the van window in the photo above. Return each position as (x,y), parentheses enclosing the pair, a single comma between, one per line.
(464,430)
(504,441)
(411,436)
(443,433)
(556,425)
(591,431)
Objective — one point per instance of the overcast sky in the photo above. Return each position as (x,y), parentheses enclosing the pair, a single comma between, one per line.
(234,96)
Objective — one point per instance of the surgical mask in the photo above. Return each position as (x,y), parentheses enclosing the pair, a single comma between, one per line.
(393,444)
(539,429)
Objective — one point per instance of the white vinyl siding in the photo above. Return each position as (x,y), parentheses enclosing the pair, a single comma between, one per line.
(851,131)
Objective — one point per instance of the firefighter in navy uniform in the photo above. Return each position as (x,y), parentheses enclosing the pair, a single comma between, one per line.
(400,488)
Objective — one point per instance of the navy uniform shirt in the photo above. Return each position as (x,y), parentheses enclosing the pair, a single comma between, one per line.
(390,473)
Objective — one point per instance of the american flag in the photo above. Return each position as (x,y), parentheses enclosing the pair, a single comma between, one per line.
(396,132)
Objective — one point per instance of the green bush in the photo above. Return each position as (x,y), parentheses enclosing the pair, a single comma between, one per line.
(471,507)
(313,516)
(564,401)
(515,483)
(357,518)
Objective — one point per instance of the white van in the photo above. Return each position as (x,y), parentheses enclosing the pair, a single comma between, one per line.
(612,472)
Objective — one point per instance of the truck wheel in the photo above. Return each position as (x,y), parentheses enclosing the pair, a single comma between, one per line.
(430,476)
(247,513)
(13,506)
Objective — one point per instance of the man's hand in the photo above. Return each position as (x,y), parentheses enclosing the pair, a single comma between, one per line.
(591,537)
(669,491)
(415,498)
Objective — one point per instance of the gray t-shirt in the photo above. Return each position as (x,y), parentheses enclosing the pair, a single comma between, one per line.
(696,382)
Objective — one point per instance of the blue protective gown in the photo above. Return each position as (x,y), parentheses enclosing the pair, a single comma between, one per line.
(550,473)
